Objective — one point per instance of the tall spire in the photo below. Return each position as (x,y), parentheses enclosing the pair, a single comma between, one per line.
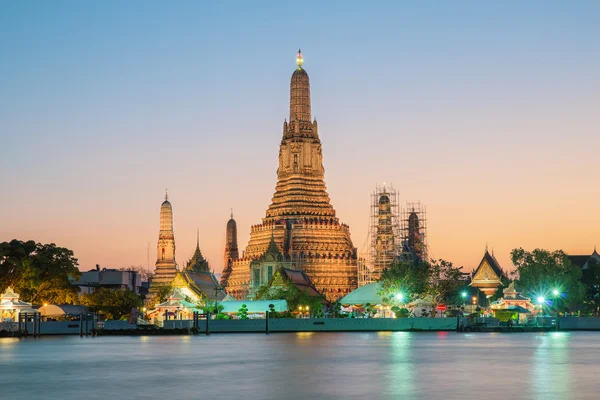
(299,59)
(300,94)
(197,238)
(166,195)
(232,213)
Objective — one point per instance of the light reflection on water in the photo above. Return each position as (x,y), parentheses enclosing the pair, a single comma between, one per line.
(305,365)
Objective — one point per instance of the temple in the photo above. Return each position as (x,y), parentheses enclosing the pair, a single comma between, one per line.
(166,266)
(231,248)
(301,219)
(488,275)
(197,263)
(584,261)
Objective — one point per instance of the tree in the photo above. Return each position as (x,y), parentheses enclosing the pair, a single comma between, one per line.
(540,272)
(403,278)
(243,312)
(162,293)
(114,303)
(39,272)
(591,280)
(292,295)
(443,282)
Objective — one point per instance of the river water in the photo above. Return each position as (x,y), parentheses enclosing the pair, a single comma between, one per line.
(290,366)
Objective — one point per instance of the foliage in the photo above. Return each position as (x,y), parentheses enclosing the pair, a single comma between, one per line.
(162,293)
(591,281)
(210,306)
(499,293)
(243,312)
(38,272)
(292,295)
(115,303)
(403,277)
(443,283)
(336,309)
(400,312)
(540,272)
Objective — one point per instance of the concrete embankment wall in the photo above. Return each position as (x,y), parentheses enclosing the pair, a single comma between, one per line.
(322,325)
(579,324)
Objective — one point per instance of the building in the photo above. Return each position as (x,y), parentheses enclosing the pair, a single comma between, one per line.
(584,261)
(301,219)
(263,268)
(198,263)
(414,233)
(488,275)
(166,266)
(231,248)
(96,278)
(11,306)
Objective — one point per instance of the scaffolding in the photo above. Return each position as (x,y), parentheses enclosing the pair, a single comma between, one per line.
(414,232)
(384,241)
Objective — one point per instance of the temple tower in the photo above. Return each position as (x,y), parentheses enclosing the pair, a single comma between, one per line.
(198,263)
(301,218)
(166,266)
(414,232)
(231,248)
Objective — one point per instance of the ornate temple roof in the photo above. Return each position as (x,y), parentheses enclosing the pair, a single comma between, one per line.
(582,261)
(488,271)
(197,262)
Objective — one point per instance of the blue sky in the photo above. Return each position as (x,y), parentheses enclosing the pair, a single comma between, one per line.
(482,110)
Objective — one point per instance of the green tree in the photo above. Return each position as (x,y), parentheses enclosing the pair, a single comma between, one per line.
(292,295)
(443,282)
(162,293)
(114,303)
(39,272)
(403,278)
(243,312)
(540,272)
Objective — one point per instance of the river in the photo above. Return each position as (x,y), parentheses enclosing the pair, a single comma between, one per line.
(289,366)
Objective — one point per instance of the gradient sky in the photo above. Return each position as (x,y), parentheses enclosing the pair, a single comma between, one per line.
(486,112)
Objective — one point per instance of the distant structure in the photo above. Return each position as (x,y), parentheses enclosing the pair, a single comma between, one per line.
(197,263)
(231,248)
(97,278)
(301,219)
(384,238)
(166,266)
(584,261)
(488,275)
(414,232)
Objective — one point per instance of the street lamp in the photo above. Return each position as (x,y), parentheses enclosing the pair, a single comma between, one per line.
(399,297)
(555,292)
(541,300)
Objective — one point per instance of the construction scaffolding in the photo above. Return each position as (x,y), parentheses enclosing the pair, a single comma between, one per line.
(414,232)
(384,241)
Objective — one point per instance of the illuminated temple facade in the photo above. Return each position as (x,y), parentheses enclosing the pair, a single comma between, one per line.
(301,219)
(166,266)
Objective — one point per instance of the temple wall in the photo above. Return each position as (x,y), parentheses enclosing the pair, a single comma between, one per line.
(322,325)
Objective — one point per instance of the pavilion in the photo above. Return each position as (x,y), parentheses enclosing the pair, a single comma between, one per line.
(11,306)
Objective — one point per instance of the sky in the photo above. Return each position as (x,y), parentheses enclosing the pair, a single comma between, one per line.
(485,112)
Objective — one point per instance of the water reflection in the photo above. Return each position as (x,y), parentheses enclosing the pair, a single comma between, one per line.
(305,366)
(401,377)
(552,371)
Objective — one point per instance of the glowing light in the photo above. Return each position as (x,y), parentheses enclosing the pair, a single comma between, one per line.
(299,59)
(399,297)
(541,300)
(555,292)
(463,294)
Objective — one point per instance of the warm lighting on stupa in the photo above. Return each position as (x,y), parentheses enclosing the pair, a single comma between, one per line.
(299,59)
